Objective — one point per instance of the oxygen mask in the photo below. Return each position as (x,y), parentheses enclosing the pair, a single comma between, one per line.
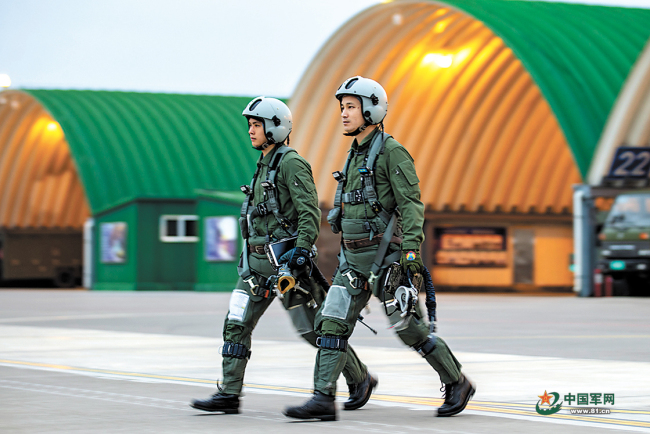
(286,281)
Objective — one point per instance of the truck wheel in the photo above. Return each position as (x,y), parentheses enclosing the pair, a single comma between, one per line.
(621,287)
(638,285)
(64,278)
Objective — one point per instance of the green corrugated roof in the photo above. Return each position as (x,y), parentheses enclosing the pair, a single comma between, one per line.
(579,56)
(129,145)
(228,197)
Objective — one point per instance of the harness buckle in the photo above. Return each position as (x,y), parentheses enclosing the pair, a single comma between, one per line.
(268,185)
(285,223)
(358,196)
(352,280)
(246,189)
(251,284)
(262,209)
(339,176)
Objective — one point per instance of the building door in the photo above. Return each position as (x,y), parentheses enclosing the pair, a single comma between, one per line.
(524,255)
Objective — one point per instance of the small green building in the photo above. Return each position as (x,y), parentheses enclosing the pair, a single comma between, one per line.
(169,244)
(152,181)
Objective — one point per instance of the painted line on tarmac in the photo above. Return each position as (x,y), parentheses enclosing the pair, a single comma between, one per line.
(167,404)
(495,408)
(99,316)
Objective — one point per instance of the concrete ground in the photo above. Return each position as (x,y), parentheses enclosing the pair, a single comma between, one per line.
(82,361)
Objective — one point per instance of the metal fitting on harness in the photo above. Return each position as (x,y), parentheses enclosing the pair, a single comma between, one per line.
(354,197)
(376,207)
(285,223)
(237,351)
(251,284)
(427,347)
(262,209)
(339,176)
(246,189)
(353,280)
(268,185)
(332,343)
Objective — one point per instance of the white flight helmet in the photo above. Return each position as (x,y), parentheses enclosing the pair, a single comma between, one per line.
(276,117)
(374,101)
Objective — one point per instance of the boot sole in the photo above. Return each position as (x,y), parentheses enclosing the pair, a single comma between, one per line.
(323,418)
(228,411)
(373,384)
(462,407)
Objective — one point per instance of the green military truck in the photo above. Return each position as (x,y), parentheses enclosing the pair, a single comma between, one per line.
(41,254)
(625,244)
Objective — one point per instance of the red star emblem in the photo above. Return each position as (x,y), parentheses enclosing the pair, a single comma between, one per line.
(546,398)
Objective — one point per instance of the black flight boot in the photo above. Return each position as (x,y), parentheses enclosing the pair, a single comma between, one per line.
(360,393)
(457,395)
(226,403)
(320,406)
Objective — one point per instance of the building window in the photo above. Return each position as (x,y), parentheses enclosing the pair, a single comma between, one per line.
(178,228)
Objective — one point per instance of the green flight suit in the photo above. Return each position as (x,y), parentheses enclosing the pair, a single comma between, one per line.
(296,194)
(396,184)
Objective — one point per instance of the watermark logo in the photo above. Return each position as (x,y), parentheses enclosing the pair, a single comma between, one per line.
(548,403)
(545,399)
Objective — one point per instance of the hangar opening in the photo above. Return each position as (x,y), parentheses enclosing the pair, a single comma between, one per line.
(501,105)
(150,180)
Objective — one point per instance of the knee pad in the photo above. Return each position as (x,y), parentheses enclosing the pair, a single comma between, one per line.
(238,351)
(332,343)
(425,348)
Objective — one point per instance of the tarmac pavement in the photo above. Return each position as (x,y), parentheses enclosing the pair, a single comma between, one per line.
(85,361)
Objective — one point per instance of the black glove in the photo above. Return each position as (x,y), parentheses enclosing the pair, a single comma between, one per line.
(296,257)
(411,262)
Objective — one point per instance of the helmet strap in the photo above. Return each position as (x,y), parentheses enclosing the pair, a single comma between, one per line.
(358,130)
(263,146)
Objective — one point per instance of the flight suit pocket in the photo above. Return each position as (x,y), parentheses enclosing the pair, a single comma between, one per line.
(406,171)
(304,181)
(337,303)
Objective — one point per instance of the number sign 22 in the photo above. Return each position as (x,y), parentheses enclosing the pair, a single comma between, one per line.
(630,162)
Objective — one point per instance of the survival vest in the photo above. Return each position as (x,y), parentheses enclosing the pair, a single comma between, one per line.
(271,205)
(369,194)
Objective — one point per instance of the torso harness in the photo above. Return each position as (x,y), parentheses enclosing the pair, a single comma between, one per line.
(367,193)
(249,211)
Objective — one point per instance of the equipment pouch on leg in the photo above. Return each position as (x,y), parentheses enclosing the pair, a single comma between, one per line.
(238,303)
(337,303)
(334,219)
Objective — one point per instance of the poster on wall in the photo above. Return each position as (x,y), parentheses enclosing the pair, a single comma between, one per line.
(470,247)
(221,238)
(113,242)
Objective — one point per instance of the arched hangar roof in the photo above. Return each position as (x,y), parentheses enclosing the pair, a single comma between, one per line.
(629,122)
(65,154)
(501,103)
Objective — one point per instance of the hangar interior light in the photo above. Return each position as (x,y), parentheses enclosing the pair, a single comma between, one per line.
(483,137)
(441,60)
(39,184)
